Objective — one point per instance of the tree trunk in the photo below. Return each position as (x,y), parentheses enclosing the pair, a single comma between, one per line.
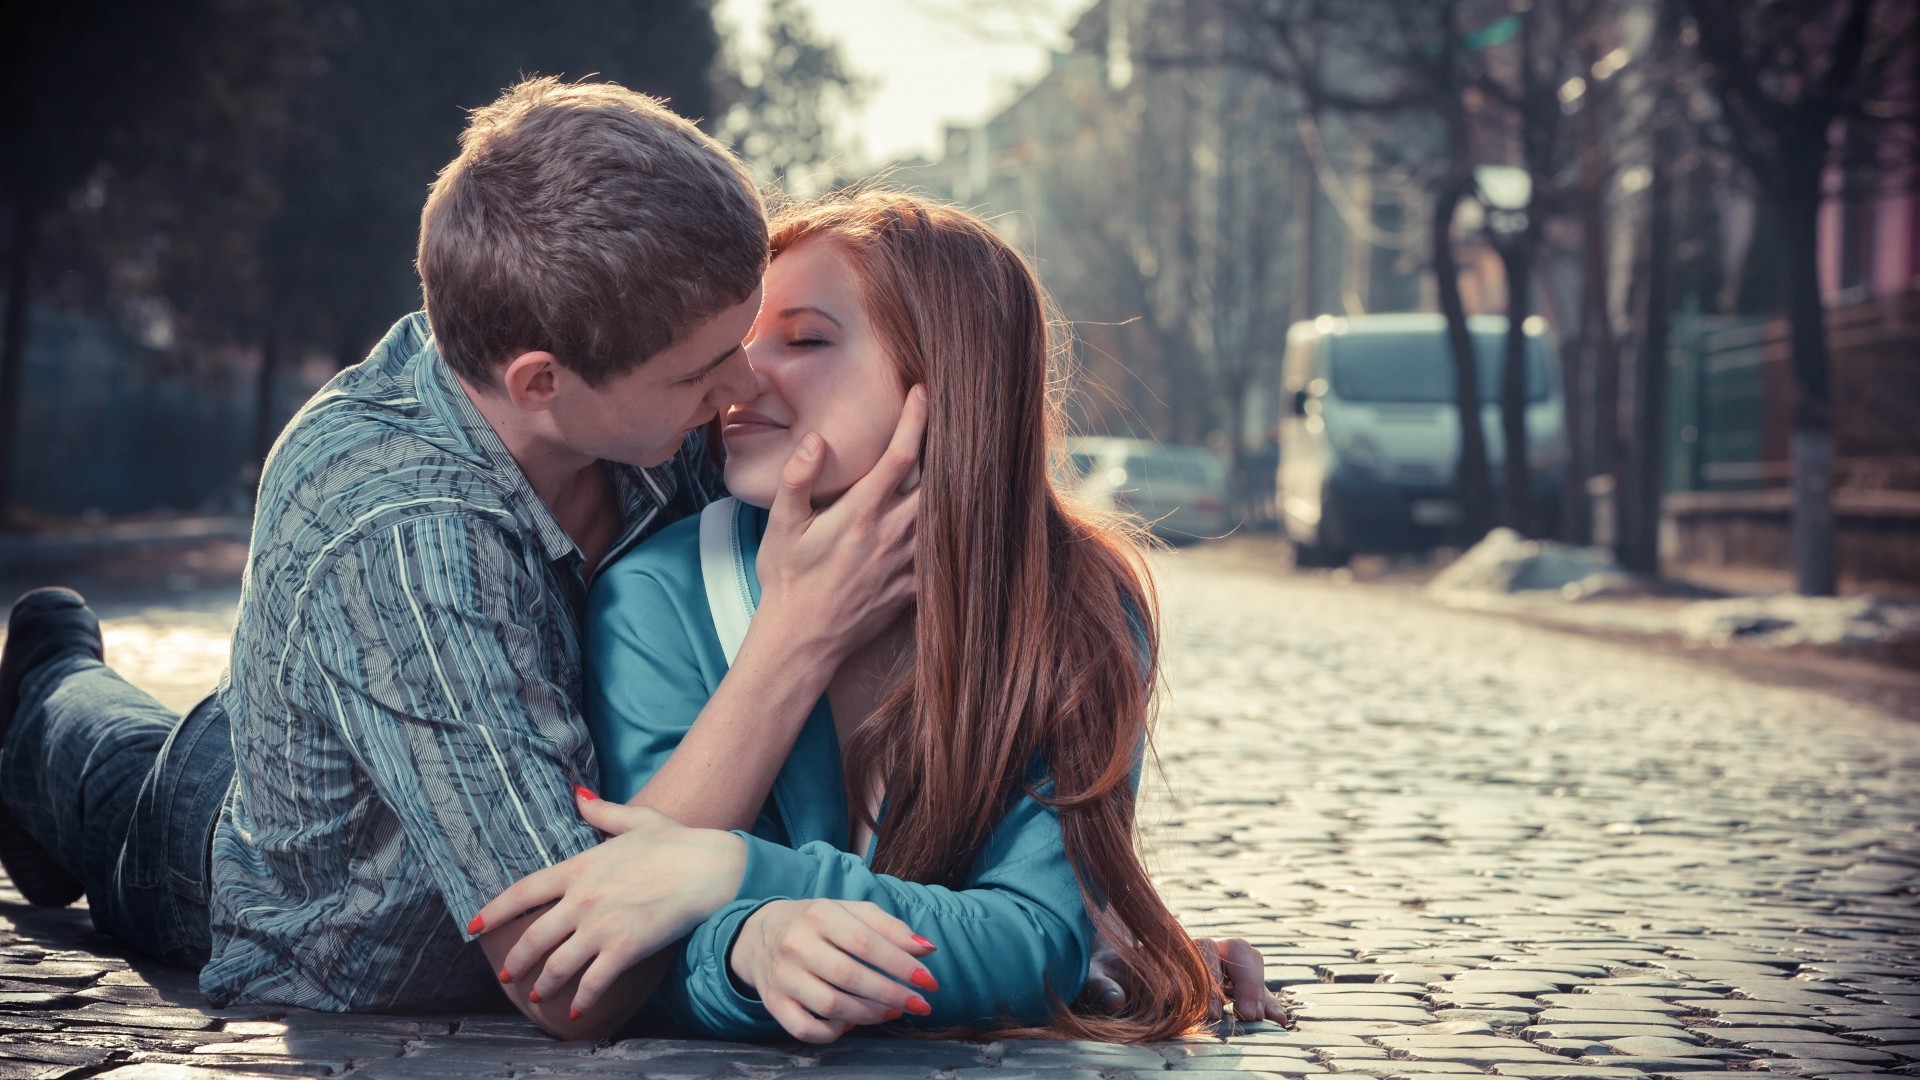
(1239,491)
(1517,255)
(1574,376)
(13,343)
(1593,407)
(1306,212)
(1474,481)
(1815,568)
(265,425)
(1640,540)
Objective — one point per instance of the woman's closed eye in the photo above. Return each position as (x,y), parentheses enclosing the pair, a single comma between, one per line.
(807,341)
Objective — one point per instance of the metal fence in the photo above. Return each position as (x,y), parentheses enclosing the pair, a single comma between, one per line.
(112,426)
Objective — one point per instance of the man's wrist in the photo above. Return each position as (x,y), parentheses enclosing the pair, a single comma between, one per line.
(729,865)
(805,652)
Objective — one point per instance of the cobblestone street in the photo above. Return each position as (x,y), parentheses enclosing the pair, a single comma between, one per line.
(1466,845)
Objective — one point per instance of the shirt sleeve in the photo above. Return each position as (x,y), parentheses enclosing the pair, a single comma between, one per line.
(1017,936)
(646,682)
(427,660)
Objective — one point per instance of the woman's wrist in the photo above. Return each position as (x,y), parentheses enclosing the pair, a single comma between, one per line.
(743,954)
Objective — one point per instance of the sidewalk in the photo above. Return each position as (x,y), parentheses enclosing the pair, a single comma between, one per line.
(23,553)
(1466,845)
(1667,616)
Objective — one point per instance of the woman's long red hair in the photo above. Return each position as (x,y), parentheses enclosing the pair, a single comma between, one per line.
(1024,646)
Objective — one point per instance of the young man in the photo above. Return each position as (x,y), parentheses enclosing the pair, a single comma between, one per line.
(398,737)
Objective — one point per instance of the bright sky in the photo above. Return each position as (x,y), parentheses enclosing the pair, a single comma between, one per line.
(932,61)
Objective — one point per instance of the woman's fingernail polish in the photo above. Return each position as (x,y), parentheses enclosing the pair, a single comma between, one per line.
(846,1029)
(893,1014)
(923,979)
(506,976)
(925,944)
(533,996)
(584,793)
(918,1006)
(478,924)
(573,1013)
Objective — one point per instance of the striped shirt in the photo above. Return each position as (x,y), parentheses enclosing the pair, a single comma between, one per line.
(405,693)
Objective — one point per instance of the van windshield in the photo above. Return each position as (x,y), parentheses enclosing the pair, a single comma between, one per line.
(1417,368)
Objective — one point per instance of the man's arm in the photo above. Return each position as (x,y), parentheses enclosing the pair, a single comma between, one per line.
(830,580)
(421,651)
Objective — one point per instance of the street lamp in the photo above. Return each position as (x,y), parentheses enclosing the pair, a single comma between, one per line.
(1505,191)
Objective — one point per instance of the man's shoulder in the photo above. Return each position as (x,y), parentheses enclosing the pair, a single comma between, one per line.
(357,469)
(366,452)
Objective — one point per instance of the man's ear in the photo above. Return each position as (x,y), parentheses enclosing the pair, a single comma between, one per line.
(532,379)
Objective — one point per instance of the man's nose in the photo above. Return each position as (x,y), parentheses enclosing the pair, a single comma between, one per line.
(736,382)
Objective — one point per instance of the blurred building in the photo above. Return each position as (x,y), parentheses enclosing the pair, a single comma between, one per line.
(1183,215)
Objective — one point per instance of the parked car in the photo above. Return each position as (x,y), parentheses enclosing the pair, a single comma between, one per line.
(1371,439)
(1180,492)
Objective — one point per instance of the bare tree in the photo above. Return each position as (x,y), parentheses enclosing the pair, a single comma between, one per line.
(1164,198)
(788,99)
(1786,74)
(1393,58)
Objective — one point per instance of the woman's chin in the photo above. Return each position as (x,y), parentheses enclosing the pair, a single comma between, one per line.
(751,487)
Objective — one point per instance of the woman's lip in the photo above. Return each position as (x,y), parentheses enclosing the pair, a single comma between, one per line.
(737,428)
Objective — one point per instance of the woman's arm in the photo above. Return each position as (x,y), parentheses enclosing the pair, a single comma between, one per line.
(1008,944)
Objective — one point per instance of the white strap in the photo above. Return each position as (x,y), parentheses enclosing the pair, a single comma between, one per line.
(724,571)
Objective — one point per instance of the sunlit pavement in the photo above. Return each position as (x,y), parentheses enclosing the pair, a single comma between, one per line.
(1465,845)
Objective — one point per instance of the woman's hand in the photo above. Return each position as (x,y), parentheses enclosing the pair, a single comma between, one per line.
(617,903)
(1242,974)
(1238,970)
(813,962)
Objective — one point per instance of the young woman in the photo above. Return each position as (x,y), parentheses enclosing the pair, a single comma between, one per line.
(954,825)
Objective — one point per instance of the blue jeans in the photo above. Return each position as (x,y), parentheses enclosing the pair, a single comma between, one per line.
(125,794)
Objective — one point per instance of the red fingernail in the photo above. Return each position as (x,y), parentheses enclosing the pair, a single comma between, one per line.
(533,996)
(478,924)
(506,976)
(893,1014)
(585,793)
(918,1006)
(923,979)
(846,1029)
(925,944)
(573,1013)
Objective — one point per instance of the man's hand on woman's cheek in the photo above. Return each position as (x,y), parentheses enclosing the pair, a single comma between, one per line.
(607,909)
(837,576)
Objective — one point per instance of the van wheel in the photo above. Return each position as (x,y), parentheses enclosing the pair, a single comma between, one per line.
(1329,548)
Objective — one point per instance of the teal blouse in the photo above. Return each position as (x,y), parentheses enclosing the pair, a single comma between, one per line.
(1017,934)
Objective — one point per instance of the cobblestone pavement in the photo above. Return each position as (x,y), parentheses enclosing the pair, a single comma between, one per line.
(1466,846)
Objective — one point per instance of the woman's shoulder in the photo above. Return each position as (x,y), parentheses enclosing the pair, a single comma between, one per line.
(669,560)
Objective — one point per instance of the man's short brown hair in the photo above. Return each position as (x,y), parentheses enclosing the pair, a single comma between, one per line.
(585,220)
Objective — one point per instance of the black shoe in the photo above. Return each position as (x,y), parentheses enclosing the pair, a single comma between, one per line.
(45,624)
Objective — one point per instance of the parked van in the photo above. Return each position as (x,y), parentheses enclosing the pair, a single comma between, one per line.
(1371,439)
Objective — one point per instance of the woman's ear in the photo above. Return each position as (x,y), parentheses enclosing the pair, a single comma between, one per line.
(532,380)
